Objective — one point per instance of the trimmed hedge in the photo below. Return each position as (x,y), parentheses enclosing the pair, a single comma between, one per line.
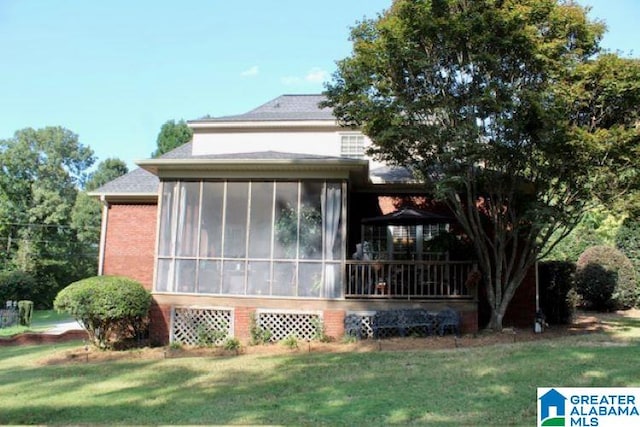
(111,308)
(606,279)
(557,290)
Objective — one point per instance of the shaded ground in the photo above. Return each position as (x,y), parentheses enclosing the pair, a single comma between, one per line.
(585,323)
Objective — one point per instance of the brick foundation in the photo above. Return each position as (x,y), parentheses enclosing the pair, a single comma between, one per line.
(334,323)
(159,323)
(242,323)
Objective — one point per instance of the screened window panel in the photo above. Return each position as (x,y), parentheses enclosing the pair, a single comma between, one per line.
(309,279)
(233,277)
(235,229)
(286,220)
(251,238)
(261,221)
(332,287)
(164,275)
(311,220)
(185,275)
(332,221)
(209,277)
(284,279)
(187,219)
(211,221)
(167,226)
(258,278)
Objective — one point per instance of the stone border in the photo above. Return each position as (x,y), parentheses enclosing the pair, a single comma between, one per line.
(31,338)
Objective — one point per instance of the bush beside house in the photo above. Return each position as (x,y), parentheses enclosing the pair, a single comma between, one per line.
(558,296)
(606,279)
(112,309)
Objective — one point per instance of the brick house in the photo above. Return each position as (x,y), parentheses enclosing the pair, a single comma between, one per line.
(277,216)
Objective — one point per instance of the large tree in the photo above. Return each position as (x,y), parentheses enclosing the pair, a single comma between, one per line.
(41,172)
(500,107)
(172,135)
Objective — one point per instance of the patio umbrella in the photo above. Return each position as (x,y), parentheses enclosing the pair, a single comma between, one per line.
(408,216)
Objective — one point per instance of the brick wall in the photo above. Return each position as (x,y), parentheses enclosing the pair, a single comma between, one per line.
(159,323)
(334,323)
(522,309)
(242,323)
(131,242)
(469,322)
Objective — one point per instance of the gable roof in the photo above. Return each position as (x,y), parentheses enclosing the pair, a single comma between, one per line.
(283,108)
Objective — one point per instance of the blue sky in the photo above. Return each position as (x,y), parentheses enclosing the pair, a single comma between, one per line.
(113,72)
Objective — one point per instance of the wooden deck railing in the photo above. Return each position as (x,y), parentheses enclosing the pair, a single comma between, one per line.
(408,279)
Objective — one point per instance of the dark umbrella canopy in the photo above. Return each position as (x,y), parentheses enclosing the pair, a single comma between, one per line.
(408,216)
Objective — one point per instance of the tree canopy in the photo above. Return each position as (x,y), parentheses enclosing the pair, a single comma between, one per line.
(41,172)
(172,135)
(49,227)
(506,111)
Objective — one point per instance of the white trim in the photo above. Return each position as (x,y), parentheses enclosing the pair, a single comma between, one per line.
(265,124)
(103,235)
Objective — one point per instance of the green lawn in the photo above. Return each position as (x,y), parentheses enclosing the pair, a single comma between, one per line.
(41,321)
(494,385)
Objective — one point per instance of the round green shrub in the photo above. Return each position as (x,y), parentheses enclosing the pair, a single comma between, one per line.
(605,279)
(110,308)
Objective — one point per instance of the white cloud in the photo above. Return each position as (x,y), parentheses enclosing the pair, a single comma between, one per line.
(253,71)
(316,75)
(313,76)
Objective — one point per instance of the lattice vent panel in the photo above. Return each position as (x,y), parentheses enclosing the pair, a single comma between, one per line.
(303,326)
(201,326)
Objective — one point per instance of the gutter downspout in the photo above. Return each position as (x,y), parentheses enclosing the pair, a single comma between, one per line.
(103,234)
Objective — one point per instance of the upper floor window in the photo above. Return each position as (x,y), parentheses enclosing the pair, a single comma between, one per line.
(352,145)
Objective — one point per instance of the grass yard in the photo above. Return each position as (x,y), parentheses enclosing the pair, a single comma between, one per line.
(41,321)
(492,385)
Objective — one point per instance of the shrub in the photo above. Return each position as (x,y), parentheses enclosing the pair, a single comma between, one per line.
(558,296)
(25,312)
(16,285)
(290,342)
(605,279)
(259,335)
(233,344)
(111,308)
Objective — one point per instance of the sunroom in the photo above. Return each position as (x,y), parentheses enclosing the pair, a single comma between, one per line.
(260,227)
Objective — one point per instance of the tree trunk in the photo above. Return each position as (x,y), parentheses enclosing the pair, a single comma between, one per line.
(497,314)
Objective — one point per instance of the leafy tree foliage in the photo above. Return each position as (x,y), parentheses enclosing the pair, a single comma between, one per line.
(503,109)
(628,241)
(597,227)
(172,135)
(110,308)
(41,172)
(86,216)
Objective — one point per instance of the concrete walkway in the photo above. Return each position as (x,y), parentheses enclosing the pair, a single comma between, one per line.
(63,327)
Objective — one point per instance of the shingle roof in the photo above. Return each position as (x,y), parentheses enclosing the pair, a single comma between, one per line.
(284,107)
(140,181)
